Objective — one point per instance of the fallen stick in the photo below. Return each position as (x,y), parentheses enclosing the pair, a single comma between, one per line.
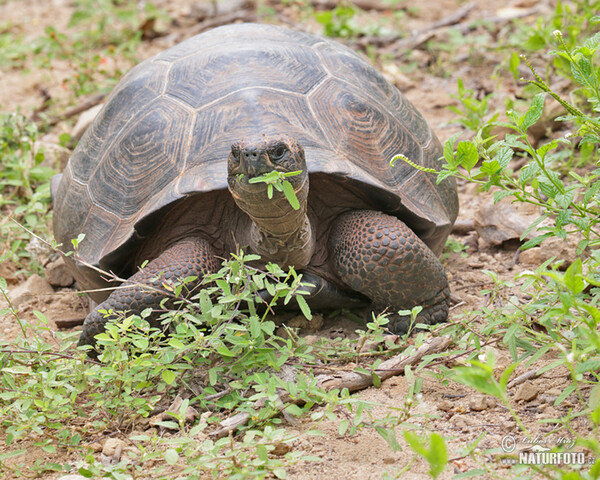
(354,381)
(422,35)
(86,104)
(351,380)
(531,374)
(224,19)
(401,46)
(362,4)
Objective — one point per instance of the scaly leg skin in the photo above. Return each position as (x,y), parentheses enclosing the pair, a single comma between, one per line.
(379,256)
(190,257)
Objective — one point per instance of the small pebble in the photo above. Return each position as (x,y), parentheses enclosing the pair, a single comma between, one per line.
(481,402)
(526,392)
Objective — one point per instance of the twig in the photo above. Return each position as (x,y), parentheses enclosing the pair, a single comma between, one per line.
(531,374)
(244,16)
(231,424)
(50,354)
(403,45)
(353,381)
(419,37)
(473,285)
(362,4)
(82,107)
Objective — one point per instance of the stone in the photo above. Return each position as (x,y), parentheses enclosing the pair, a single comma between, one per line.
(203,9)
(281,448)
(111,445)
(57,274)
(463,421)
(526,392)
(497,223)
(38,249)
(478,403)
(55,156)
(308,326)
(553,247)
(190,415)
(445,405)
(34,286)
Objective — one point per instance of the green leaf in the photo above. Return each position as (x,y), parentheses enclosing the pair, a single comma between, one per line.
(225,352)
(566,392)
(255,330)
(574,277)
(213,376)
(504,156)
(533,225)
(343,427)
(168,376)
(304,307)
(528,172)
(513,66)
(16,453)
(436,455)
(533,113)
(171,456)
(480,377)
(535,241)
(290,194)
(449,150)
(389,435)
(466,154)
(591,366)
(294,410)
(547,187)
(261,452)
(564,200)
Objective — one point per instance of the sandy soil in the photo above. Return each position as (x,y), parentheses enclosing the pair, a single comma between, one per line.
(424,77)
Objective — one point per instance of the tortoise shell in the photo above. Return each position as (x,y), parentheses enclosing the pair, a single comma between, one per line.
(166,130)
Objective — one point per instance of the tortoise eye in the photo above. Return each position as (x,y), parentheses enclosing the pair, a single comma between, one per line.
(278,152)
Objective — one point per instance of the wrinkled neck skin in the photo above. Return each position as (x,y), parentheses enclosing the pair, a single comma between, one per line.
(278,233)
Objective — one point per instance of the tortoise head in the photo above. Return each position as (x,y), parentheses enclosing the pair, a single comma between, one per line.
(280,230)
(254,157)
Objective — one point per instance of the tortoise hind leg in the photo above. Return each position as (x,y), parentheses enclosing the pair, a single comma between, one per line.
(379,256)
(190,257)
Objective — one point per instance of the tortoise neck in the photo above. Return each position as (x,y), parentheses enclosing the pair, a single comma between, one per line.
(279,233)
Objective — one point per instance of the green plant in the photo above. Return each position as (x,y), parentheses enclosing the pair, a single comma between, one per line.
(219,349)
(560,313)
(432,449)
(277,180)
(474,112)
(337,22)
(342,22)
(25,195)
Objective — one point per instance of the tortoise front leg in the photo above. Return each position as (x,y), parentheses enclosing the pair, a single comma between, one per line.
(379,256)
(190,257)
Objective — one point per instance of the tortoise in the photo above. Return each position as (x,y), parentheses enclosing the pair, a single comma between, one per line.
(163,174)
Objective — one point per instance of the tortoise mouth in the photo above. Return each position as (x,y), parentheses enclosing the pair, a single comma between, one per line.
(247,188)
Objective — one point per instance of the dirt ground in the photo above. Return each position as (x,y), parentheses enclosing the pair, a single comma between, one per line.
(420,73)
